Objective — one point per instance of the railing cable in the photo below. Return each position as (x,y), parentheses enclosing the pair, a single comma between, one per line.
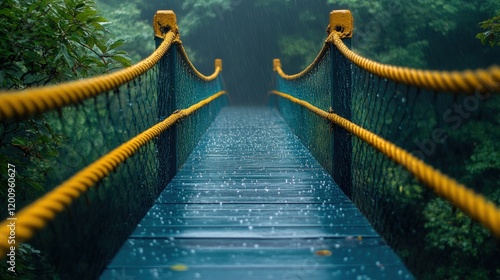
(24,103)
(36,215)
(475,205)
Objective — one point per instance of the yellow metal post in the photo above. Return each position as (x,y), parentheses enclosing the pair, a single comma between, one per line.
(164,21)
(341,23)
(276,64)
(218,63)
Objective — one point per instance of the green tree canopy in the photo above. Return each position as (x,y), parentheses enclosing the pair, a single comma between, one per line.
(491,33)
(47,41)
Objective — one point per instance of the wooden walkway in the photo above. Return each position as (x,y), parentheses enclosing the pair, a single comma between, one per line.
(252,203)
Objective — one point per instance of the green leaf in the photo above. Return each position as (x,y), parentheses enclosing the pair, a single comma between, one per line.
(98,19)
(123,60)
(67,57)
(5,12)
(20,141)
(84,16)
(113,44)
(102,47)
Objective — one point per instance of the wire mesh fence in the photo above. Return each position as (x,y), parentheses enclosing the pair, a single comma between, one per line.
(451,132)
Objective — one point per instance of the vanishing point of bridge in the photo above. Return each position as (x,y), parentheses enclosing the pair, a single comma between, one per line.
(157,178)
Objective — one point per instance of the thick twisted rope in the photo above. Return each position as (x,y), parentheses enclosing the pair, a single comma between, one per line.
(36,215)
(213,76)
(475,205)
(468,81)
(308,69)
(21,104)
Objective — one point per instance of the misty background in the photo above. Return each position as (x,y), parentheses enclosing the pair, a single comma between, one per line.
(54,41)
(248,34)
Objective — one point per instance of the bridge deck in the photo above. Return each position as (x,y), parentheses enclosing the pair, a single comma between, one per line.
(252,203)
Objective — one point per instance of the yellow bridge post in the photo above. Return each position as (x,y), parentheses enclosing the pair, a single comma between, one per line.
(164,21)
(341,22)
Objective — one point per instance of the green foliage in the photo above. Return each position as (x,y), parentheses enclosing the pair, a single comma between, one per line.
(30,146)
(412,54)
(384,26)
(485,158)
(468,251)
(198,12)
(50,41)
(452,229)
(127,26)
(44,42)
(491,35)
(295,48)
(30,264)
(268,3)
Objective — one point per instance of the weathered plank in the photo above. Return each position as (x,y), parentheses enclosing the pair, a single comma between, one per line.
(252,203)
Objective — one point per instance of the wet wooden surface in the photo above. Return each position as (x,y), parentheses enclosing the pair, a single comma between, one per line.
(252,203)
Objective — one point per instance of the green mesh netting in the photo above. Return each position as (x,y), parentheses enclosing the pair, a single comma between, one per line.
(49,148)
(313,130)
(452,132)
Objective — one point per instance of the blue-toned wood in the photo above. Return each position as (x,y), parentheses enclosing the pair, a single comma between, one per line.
(252,203)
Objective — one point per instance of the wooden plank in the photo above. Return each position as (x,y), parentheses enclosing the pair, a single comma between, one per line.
(251,202)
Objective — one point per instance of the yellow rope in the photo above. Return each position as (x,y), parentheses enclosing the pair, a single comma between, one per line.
(313,64)
(468,81)
(20,104)
(475,205)
(36,215)
(214,75)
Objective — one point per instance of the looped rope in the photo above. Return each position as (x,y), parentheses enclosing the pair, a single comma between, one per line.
(191,66)
(308,69)
(475,205)
(29,102)
(470,82)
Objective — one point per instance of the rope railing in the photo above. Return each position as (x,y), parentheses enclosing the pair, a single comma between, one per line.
(36,216)
(475,205)
(481,82)
(117,131)
(277,66)
(468,81)
(25,103)
(166,20)
(213,76)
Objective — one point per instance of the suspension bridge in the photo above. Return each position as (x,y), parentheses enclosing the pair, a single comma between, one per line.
(157,177)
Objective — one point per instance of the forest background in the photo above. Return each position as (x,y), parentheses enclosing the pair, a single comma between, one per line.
(247,35)
(75,39)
